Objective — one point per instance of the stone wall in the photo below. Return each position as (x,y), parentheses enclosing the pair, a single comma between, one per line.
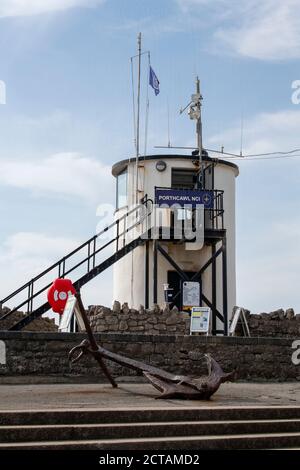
(40,324)
(280,323)
(46,354)
(160,320)
(150,322)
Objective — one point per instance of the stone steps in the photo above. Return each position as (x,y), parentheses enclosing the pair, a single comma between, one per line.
(214,442)
(82,432)
(152,428)
(146,414)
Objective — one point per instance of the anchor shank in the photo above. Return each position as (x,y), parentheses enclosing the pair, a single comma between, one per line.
(93,341)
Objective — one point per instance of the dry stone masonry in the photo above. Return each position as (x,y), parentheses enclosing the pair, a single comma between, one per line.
(40,324)
(150,322)
(277,324)
(160,320)
(46,354)
(159,337)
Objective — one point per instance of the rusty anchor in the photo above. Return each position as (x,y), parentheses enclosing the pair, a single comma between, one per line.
(170,385)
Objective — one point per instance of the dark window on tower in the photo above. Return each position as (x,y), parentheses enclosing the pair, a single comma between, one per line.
(183,179)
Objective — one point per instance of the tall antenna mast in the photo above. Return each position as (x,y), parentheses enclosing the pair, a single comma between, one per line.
(242,133)
(169,140)
(138,116)
(195,114)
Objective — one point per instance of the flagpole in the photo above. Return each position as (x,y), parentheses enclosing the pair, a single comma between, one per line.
(147,109)
(138,116)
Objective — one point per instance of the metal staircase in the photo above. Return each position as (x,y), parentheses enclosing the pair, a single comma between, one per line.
(86,261)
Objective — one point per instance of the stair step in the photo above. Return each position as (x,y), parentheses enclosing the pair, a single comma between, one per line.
(143,415)
(214,442)
(35,433)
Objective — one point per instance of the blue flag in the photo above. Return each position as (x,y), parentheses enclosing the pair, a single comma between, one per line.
(153,81)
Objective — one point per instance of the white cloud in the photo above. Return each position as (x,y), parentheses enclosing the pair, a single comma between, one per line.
(35,7)
(268,223)
(264,132)
(270,31)
(41,135)
(26,254)
(33,244)
(268,268)
(68,174)
(30,162)
(260,29)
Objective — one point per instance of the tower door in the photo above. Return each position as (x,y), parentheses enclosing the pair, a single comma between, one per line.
(175,282)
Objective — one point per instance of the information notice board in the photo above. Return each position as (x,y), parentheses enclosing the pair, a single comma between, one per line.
(191,294)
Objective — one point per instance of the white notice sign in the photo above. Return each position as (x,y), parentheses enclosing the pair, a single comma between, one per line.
(67,314)
(70,309)
(190,294)
(200,320)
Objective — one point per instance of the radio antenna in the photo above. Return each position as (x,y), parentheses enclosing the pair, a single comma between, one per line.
(195,114)
(242,133)
(168,110)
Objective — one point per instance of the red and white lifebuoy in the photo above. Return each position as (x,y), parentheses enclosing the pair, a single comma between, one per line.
(58,294)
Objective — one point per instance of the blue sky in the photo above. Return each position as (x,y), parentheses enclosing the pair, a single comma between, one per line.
(68,118)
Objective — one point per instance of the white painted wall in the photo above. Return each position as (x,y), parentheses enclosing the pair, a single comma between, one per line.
(129,272)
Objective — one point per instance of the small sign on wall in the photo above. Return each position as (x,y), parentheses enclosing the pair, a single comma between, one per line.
(2,353)
(193,197)
(239,316)
(200,320)
(191,294)
(70,309)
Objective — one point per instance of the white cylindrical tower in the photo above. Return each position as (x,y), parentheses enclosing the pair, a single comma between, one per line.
(140,275)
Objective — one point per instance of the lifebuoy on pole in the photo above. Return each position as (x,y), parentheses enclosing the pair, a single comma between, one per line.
(58,294)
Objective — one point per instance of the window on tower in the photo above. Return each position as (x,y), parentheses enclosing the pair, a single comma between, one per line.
(121,199)
(183,178)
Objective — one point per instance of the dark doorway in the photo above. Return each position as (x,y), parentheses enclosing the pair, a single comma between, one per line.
(174,281)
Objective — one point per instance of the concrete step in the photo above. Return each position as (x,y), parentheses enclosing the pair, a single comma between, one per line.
(81,432)
(214,442)
(143,415)
(156,428)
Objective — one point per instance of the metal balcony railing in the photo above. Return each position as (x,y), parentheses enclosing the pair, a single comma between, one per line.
(214,216)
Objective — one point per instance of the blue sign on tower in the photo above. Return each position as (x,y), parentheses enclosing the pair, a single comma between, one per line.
(191,197)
